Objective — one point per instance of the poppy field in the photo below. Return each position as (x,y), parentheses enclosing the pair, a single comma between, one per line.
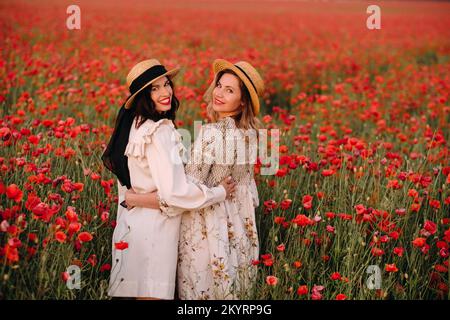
(360,205)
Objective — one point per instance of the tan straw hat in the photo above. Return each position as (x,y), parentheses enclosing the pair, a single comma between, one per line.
(144,74)
(249,76)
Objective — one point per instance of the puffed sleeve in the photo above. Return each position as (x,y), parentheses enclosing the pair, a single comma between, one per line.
(167,170)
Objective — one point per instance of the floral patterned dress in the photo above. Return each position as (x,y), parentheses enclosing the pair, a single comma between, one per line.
(218,243)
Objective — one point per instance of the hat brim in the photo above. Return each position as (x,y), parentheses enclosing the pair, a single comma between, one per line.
(221,64)
(171,74)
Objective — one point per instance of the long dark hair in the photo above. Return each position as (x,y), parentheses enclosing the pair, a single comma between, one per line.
(143,107)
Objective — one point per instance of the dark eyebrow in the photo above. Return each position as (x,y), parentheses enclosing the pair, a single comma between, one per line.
(225,86)
(157,85)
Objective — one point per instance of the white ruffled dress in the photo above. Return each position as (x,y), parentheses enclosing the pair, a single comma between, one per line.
(147,268)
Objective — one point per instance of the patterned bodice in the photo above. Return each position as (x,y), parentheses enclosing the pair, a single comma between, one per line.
(220,150)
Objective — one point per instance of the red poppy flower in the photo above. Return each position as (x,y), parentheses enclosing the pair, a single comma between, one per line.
(391,268)
(328,172)
(398,251)
(302,290)
(85,237)
(419,242)
(105,267)
(13,192)
(60,236)
(271,280)
(65,276)
(122,245)
(302,220)
(285,204)
(336,276)
(307,202)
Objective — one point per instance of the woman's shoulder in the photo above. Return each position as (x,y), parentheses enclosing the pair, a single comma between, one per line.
(147,132)
(149,128)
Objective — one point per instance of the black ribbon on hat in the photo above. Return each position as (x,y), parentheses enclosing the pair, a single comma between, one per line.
(245,74)
(146,77)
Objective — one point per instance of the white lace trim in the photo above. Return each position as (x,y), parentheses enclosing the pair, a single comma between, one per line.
(137,148)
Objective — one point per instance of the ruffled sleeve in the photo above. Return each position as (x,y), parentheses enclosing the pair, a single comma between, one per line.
(175,191)
(136,148)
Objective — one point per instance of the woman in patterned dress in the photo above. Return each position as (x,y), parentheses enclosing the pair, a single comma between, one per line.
(218,243)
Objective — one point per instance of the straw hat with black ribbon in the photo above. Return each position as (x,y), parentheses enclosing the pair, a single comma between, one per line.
(247,73)
(144,74)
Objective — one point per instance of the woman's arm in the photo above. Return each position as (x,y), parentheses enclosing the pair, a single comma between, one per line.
(174,190)
(145,200)
(150,199)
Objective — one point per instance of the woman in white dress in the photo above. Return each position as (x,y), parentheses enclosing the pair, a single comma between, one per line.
(218,243)
(144,153)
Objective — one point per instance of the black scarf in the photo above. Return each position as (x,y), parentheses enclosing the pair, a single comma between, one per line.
(113,158)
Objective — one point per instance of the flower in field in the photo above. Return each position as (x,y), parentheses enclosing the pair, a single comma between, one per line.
(122,245)
(302,290)
(419,242)
(14,193)
(297,264)
(429,228)
(269,205)
(391,268)
(268,262)
(92,260)
(360,209)
(60,236)
(441,268)
(74,227)
(279,220)
(330,215)
(85,237)
(377,252)
(398,251)
(65,276)
(415,207)
(105,267)
(316,292)
(435,204)
(328,172)
(413,193)
(105,216)
(447,235)
(285,204)
(301,220)
(307,202)
(336,276)
(271,280)
(281,247)
(341,296)
(255,262)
